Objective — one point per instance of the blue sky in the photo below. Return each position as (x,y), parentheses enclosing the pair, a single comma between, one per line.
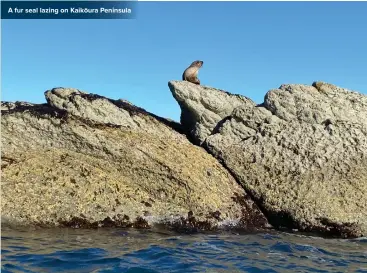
(247,48)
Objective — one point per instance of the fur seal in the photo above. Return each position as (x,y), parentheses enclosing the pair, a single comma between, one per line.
(191,73)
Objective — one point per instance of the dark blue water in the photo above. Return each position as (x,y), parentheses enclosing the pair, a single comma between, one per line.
(115,250)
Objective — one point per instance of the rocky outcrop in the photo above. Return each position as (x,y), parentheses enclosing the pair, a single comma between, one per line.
(203,107)
(83,160)
(301,155)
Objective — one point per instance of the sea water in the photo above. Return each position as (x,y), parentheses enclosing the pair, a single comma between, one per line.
(127,250)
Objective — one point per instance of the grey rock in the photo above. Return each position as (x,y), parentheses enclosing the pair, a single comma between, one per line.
(203,107)
(317,103)
(301,155)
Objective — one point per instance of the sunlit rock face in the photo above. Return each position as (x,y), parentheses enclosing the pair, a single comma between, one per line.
(301,154)
(83,160)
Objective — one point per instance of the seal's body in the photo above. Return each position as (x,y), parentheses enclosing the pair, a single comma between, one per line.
(191,73)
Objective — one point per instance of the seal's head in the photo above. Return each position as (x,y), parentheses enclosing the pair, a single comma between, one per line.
(197,64)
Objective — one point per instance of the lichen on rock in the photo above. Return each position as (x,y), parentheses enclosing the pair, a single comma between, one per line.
(83,160)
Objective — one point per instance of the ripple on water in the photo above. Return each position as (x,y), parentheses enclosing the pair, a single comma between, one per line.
(111,250)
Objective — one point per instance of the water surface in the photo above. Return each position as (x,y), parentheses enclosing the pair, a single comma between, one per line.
(133,251)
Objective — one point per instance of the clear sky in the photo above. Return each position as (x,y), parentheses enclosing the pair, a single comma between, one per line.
(247,48)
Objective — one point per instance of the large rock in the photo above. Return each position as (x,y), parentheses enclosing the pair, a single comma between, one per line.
(301,155)
(85,160)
